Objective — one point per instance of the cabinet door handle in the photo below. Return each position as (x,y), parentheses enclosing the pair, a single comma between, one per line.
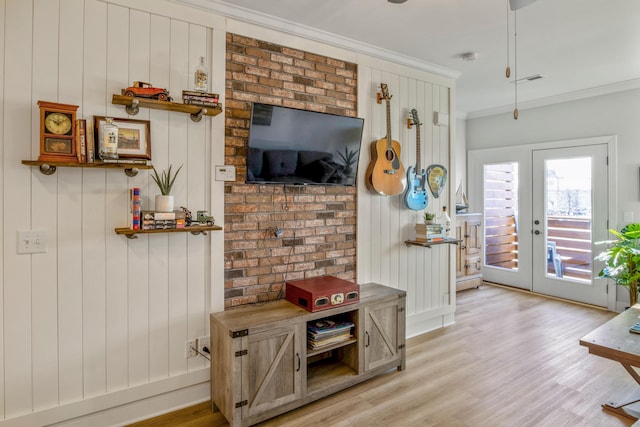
(298,360)
(367,342)
(463,247)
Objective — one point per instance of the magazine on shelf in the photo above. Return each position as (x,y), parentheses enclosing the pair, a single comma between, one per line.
(325,326)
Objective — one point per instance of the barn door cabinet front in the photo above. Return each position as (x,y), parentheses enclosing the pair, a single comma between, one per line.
(257,369)
(261,366)
(384,339)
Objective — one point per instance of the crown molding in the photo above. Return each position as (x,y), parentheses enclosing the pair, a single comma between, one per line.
(296,29)
(557,99)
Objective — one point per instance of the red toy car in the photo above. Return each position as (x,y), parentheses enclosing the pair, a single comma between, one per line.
(145,90)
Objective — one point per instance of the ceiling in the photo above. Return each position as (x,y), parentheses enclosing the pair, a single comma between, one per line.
(580,47)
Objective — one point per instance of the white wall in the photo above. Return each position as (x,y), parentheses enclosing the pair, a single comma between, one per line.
(96,327)
(613,114)
(100,320)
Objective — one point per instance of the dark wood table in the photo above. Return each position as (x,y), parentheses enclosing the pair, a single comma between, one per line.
(614,341)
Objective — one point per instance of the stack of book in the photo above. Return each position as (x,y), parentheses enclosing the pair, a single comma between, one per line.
(429,233)
(325,332)
(152,220)
(204,99)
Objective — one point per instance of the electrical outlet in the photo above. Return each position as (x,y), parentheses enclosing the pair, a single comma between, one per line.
(191,347)
(202,343)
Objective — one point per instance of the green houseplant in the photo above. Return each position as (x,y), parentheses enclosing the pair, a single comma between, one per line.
(429,217)
(622,259)
(165,181)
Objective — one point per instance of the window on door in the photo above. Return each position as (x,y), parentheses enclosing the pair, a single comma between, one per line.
(568,217)
(501,215)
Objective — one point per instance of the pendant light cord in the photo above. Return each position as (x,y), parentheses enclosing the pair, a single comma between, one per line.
(508,69)
(515,61)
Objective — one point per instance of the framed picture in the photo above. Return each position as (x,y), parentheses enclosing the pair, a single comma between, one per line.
(134,140)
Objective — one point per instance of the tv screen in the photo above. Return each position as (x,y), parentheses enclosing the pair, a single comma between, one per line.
(291,146)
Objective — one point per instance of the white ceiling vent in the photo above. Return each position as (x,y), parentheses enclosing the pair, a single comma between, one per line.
(531,78)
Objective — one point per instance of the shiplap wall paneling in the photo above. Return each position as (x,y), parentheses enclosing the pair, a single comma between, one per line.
(367,88)
(176,154)
(158,248)
(116,271)
(423,273)
(44,205)
(409,259)
(94,208)
(446,279)
(17,286)
(138,261)
(2,217)
(197,181)
(98,312)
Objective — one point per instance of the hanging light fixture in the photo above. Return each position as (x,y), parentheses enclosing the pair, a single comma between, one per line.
(514,5)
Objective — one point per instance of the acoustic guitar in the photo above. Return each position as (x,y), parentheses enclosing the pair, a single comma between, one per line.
(416,197)
(385,174)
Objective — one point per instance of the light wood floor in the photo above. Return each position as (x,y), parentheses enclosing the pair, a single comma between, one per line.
(511,359)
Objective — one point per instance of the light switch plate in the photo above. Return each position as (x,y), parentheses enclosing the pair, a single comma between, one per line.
(225,173)
(32,242)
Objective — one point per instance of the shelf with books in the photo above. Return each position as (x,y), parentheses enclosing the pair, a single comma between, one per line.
(327,334)
(193,229)
(446,240)
(133,104)
(49,168)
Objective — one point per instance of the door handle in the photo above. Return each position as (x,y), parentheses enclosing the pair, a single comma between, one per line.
(299,363)
(536,232)
(367,341)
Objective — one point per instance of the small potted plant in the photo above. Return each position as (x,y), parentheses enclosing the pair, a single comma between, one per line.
(165,180)
(429,217)
(622,260)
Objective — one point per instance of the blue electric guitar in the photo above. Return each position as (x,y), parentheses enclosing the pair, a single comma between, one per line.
(416,197)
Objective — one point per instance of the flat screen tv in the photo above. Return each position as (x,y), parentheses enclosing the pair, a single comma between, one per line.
(291,146)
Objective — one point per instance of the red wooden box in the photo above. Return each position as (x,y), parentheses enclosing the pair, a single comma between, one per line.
(321,293)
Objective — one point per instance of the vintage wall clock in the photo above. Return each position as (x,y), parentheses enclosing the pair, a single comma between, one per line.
(57,132)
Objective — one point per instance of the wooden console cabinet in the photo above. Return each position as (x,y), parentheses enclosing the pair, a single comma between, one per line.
(469,251)
(261,366)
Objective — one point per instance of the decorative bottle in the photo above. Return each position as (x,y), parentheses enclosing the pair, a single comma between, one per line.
(201,77)
(108,140)
(445,222)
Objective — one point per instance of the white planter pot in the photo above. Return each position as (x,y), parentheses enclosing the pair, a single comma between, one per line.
(164,203)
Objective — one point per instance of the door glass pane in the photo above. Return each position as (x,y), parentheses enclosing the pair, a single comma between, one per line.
(501,215)
(568,218)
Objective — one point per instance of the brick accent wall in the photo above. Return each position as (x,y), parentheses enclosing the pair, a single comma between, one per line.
(318,222)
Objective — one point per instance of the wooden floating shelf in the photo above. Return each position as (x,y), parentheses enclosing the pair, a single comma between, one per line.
(193,229)
(429,244)
(49,168)
(133,105)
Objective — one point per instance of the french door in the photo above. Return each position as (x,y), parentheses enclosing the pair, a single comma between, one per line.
(543,210)
(570,213)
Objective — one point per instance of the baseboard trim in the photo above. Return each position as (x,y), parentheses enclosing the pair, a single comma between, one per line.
(124,406)
(427,321)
